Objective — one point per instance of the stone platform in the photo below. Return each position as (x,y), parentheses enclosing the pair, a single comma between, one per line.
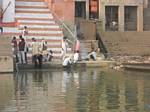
(58,65)
(137,66)
(6,55)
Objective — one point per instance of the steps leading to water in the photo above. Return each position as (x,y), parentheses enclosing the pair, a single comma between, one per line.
(127,43)
(40,22)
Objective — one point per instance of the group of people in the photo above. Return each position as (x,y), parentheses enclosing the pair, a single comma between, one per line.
(39,50)
(41,53)
(72,59)
(20,47)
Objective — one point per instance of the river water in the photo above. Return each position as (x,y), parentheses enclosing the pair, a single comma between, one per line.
(82,90)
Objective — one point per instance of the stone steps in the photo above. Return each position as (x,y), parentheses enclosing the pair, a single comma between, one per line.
(21,8)
(34,15)
(36,35)
(40,23)
(31,7)
(43,29)
(36,19)
(30,3)
(131,43)
(38,26)
(33,31)
(32,11)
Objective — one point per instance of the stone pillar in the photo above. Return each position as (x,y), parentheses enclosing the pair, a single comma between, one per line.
(87,9)
(145,3)
(102,17)
(140,18)
(9,15)
(121,18)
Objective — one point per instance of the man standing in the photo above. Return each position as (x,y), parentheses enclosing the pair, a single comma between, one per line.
(21,50)
(24,34)
(15,48)
(64,47)
(44,49)
(36,53)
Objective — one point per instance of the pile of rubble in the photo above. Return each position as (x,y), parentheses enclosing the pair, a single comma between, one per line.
(132,59)
(122,60)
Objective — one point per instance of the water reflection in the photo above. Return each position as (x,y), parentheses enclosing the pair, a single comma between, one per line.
(91,90)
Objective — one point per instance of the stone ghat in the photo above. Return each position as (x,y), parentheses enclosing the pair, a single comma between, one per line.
(58,65)
(132,59)
(141,63)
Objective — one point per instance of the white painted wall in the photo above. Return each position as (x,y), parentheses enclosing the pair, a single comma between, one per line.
(9,15)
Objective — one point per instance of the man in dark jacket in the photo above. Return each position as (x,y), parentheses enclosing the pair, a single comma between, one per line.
(21,50)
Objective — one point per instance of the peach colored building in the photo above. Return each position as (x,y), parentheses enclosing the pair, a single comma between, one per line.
(64,9)
(119,15)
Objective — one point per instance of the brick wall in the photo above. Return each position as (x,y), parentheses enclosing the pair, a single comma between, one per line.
(63,8)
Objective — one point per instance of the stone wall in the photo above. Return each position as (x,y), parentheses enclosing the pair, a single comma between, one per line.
(88,29)
(6,57)
(127,43)
(64,9)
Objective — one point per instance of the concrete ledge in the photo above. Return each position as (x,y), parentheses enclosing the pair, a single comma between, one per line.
(6,55)
(58,65)
(100,63)
(138,66)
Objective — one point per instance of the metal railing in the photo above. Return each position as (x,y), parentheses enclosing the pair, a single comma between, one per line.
(66,30)
(102,46)
(70,32)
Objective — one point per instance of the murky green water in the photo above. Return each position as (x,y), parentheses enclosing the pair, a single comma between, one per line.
(88,90)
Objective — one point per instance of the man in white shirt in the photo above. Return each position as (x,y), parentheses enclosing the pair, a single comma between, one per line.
(76,57)
(67,62)
(64,47)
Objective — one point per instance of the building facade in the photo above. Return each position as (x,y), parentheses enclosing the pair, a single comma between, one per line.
(118,15)
(115,15)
